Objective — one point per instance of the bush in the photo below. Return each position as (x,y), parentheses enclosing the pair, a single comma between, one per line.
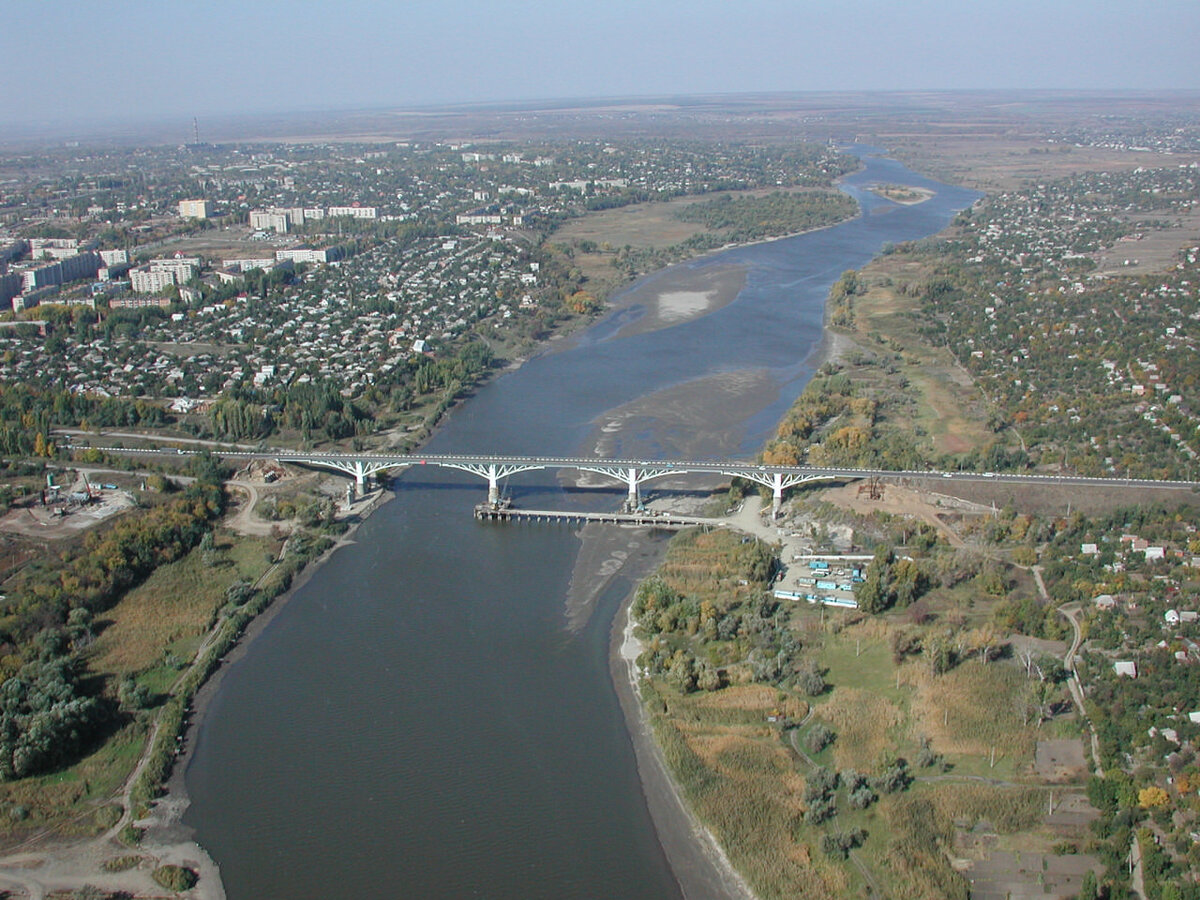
(108,816)
(861,797)
(926,757)
(810,680)
(818,738)
(175,878)
(840,843)
(895,778)
(820,783)
(820,810)
(122,863)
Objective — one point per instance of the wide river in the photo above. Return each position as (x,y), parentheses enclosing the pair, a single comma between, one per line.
(422,719)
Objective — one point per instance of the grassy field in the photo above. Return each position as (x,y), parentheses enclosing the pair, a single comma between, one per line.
(742,782)
(169,613)
(741,753)
(944,406)
(152,633)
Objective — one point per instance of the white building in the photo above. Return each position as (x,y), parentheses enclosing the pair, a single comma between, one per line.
(145,280)
(184,268)
(309,255)
(269,220)
(53,248)
(245,265)
(195,209)
(356,212)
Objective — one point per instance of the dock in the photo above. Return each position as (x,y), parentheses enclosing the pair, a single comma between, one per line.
(644,518)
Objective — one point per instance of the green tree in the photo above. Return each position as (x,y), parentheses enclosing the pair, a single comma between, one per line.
(875,592)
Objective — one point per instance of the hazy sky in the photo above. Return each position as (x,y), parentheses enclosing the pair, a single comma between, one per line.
(64,61)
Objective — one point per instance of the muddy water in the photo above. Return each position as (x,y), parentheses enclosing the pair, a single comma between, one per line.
(426,718)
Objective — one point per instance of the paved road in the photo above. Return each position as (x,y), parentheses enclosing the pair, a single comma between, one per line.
(134,435)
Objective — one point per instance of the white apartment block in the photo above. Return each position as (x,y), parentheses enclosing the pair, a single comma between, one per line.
(267,220)
(357,212)
(308,255)
(53,248)
(150,281)
(245,265)
(195,209)
(182,267)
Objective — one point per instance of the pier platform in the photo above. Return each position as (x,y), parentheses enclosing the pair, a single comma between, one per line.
(646,519)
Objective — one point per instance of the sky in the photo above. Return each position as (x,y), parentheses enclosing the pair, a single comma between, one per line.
(64,61)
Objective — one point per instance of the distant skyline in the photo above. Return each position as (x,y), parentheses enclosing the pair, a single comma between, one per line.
(70,65)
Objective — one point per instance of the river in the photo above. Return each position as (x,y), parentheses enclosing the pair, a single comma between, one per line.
(422,719)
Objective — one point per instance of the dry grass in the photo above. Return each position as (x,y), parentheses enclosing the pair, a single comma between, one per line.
(972,708)
(745,696)
(866,726)
(741,782)
(175,604)
(1008,810)
(947,404)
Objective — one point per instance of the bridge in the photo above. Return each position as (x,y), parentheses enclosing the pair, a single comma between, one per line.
(633,473)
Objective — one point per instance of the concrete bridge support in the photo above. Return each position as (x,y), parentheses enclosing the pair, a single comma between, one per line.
(776,495)
(631,479)
(493,480)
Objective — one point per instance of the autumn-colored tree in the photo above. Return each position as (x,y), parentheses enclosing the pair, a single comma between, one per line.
(1152,797)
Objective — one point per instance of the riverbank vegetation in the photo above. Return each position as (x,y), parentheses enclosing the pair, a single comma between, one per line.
(112,637)
(829,752)
(973,352)
(736,220)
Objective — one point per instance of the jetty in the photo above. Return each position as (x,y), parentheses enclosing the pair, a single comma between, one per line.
(489,512)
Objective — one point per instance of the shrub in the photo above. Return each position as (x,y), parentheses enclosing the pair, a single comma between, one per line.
(820,810)
(840,843)
(121,863)
(175,878)
(895,778)
(810,680)
(818,738)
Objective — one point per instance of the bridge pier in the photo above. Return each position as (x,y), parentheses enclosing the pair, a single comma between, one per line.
(776,495)
(493,480)
(631,478)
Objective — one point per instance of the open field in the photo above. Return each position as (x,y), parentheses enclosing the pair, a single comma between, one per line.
(171,610)
(151,634)
(944,403)
(990,161)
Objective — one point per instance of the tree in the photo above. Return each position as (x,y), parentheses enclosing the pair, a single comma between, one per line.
(840,843)
(809,678)
(707,677)
(1152,797)
(175,878)
(874,593)
(909,582)
(894,778)
(818,738)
